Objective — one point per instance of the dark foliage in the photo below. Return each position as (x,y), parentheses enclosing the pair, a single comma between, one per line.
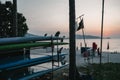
(6,21)
(107,71)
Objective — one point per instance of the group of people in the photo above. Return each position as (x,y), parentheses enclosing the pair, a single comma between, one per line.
(94,49)
(87,53)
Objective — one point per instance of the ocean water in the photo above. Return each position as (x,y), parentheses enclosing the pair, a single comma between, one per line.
(114,44)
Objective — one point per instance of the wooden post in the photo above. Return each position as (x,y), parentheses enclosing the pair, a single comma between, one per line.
(72,51)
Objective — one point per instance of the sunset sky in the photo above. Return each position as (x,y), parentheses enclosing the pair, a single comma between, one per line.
(49,16)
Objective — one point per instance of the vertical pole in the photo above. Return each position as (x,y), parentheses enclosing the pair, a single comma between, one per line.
(101,31)
(15,28)
(52,47)
(108,56)
(84,38)
(72,51)
(58,54)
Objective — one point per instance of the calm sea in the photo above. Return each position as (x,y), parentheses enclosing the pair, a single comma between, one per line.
(114,44)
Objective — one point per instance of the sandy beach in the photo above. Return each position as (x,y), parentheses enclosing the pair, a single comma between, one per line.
(80,60)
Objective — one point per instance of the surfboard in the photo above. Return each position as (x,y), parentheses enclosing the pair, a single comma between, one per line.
(29,45)
(27,39)
(27,62)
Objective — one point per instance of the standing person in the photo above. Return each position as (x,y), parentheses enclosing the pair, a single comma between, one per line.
(94,47)
(98,51)
(108,52)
